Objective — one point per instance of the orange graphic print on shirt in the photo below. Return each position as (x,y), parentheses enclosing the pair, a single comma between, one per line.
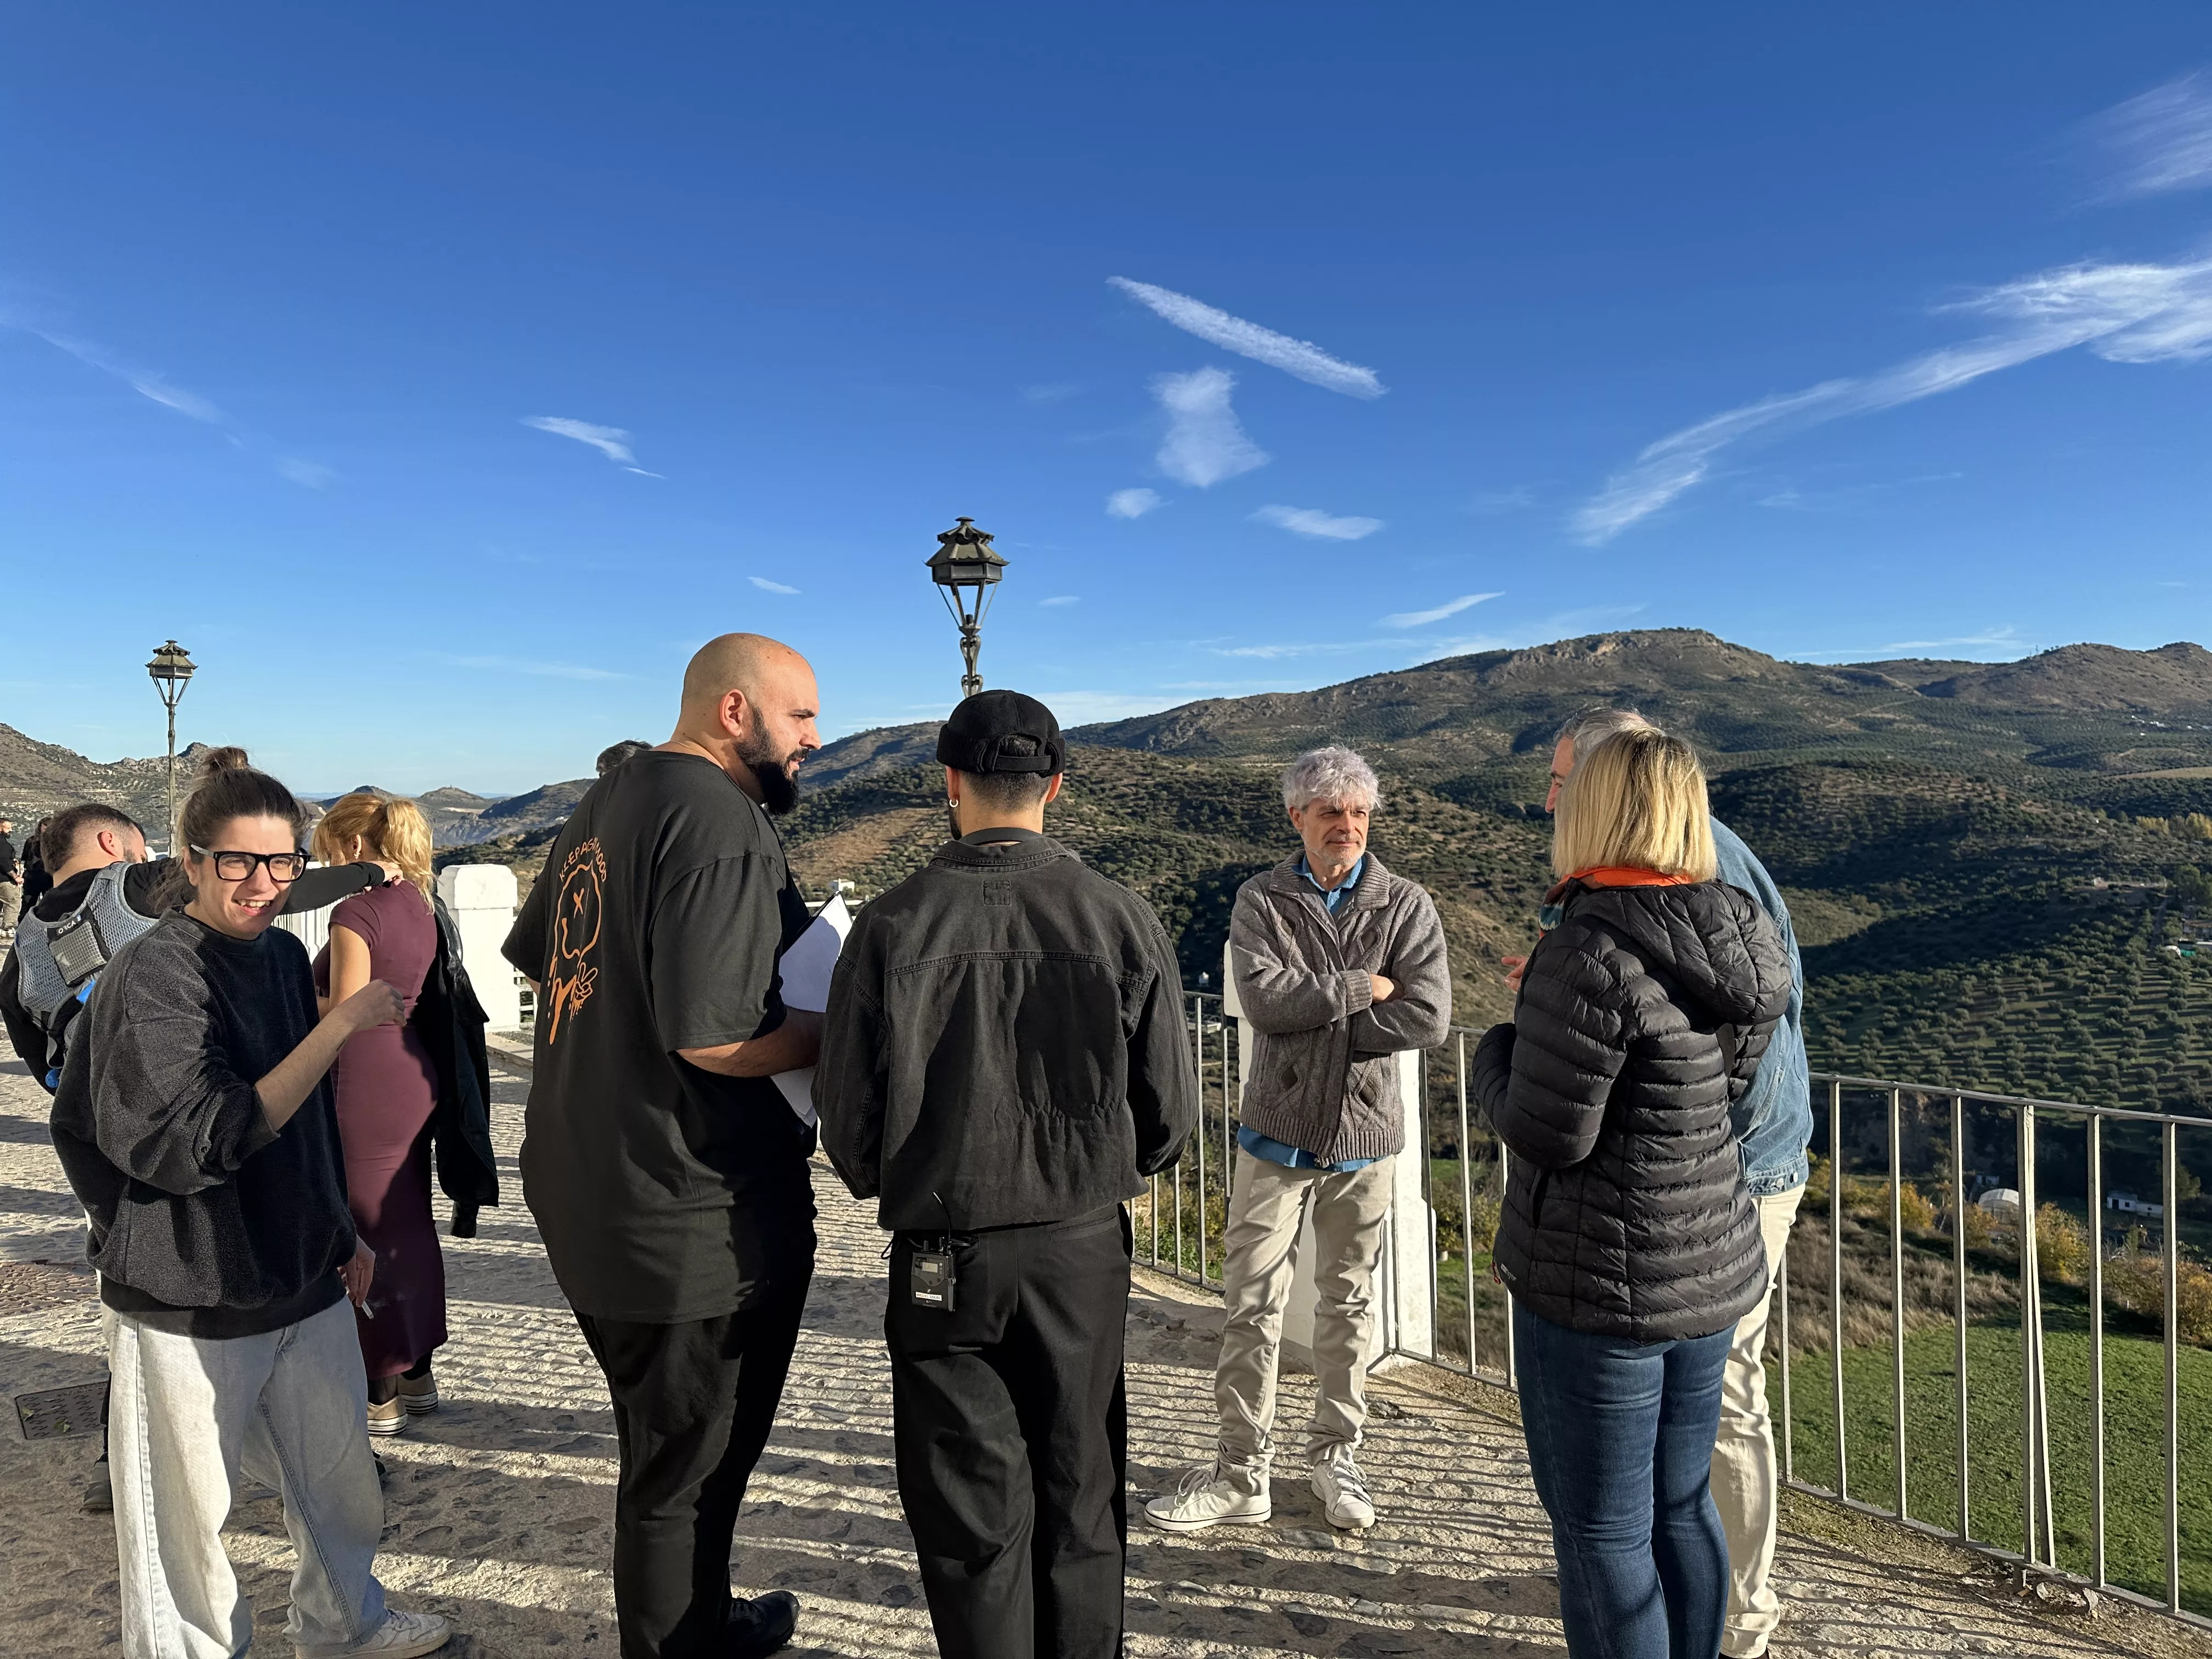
(577,911)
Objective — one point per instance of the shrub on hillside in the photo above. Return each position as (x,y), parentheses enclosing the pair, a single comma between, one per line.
(2062,1246)
(1866,1198)
(2135,1279)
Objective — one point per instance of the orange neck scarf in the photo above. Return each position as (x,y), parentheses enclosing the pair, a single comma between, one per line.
(1615,875)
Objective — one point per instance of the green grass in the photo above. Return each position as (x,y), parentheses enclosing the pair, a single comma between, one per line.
(2134,1500)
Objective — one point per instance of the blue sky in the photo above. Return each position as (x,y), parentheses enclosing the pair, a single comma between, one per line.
(442,376)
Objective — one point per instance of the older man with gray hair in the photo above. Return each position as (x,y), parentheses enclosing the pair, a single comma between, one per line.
(1338,965)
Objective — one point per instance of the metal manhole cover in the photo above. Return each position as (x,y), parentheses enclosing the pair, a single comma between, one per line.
(55,1413)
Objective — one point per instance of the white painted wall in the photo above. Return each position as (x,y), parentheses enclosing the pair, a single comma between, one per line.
(482,898)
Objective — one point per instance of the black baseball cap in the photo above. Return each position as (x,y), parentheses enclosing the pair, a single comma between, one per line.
(1002,732)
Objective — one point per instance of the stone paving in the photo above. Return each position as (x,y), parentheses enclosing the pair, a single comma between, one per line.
(500,1505)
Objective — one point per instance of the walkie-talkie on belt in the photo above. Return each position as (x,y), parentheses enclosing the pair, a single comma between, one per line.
(931,1280)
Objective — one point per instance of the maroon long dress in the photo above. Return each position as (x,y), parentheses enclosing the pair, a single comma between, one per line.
(386,1092)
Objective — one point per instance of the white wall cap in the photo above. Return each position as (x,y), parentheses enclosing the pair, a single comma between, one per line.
(477,887)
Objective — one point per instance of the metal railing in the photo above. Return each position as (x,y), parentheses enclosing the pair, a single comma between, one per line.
(2018,1230)
(1882,1142)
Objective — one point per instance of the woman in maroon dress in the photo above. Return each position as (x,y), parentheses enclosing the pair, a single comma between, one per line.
(387,1094)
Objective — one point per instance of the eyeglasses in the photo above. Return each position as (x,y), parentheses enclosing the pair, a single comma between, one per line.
(282,867)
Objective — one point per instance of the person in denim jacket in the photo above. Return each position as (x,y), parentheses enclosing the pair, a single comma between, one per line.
(1773,1122)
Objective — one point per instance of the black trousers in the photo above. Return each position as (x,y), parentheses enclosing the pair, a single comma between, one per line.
(1012,1430)
(693,1403)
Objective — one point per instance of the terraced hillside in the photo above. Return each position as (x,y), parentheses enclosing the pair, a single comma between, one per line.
(1987,862)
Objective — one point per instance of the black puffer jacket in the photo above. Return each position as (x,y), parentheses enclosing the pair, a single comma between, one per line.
(1642,1017)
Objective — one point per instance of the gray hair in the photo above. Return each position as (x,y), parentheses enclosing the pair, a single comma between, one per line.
(1594,725)
(1331,773)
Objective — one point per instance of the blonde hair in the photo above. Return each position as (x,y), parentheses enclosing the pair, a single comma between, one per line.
(1636,800)
(394,831)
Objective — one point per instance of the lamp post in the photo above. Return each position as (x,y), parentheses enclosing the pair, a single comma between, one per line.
(171,671)
(967,567)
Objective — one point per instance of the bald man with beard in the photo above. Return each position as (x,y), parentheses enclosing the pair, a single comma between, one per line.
(664,1170)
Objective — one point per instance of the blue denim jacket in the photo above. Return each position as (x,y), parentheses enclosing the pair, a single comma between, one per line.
(1774,1120)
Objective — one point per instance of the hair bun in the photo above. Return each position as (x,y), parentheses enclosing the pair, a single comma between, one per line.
(228,758)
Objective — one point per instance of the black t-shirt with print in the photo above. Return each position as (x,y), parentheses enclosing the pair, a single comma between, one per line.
(665,1193)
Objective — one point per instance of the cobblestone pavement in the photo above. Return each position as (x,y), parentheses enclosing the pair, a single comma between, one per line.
(500,1503)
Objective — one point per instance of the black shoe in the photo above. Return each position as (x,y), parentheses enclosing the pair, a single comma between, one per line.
(99,1495)
(762,1624)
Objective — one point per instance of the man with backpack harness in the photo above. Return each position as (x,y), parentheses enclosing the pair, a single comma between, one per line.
(105,892)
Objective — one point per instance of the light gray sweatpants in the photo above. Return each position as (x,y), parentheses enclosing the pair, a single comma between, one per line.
(186,1416)
(1266,1205)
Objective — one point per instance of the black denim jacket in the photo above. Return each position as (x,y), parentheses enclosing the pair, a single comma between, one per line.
(1004,1043)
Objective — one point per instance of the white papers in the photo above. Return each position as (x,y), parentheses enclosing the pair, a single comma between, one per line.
(805,968)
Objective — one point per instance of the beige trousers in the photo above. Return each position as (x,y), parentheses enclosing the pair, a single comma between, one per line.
(1267,1203)
(1746,1480)
(11,904)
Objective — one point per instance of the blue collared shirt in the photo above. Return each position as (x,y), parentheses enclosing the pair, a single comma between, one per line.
(1774,1118)
(1333,896)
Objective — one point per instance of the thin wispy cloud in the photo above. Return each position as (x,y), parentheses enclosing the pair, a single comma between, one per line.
(1502,500)
(1448,608)
(2158,141)
(1132,503)
(2008,637)
(611,441)
(2126,313)
(1301,358)
(1414,650)
(1846,498)
(768,586)
(1080,707)
(1204,442)
(1313,522)
(313,474)
(541,670)
(1059,600)
(2005,643)
(146,382)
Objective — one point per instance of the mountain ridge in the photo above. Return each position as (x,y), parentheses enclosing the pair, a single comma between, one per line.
(2082,707)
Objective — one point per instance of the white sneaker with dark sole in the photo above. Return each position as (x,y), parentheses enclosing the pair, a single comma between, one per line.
(1203,1498)
(401,1636)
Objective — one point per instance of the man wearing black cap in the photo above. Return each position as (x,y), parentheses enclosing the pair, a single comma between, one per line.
(1003,1063)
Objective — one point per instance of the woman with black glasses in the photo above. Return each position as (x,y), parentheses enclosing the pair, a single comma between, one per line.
(196,1124)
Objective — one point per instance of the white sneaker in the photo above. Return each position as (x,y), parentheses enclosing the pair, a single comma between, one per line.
(1203,1499)
(1343,1494)
(401,1636)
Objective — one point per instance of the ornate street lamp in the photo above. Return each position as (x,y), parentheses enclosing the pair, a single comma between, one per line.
(171,671)
(967,568)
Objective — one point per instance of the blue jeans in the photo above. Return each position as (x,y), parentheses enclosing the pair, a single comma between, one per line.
(1620,1441)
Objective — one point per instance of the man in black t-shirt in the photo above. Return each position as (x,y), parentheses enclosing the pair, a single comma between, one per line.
(664,1167)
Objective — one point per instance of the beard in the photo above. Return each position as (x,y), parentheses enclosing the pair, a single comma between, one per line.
(779,789)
